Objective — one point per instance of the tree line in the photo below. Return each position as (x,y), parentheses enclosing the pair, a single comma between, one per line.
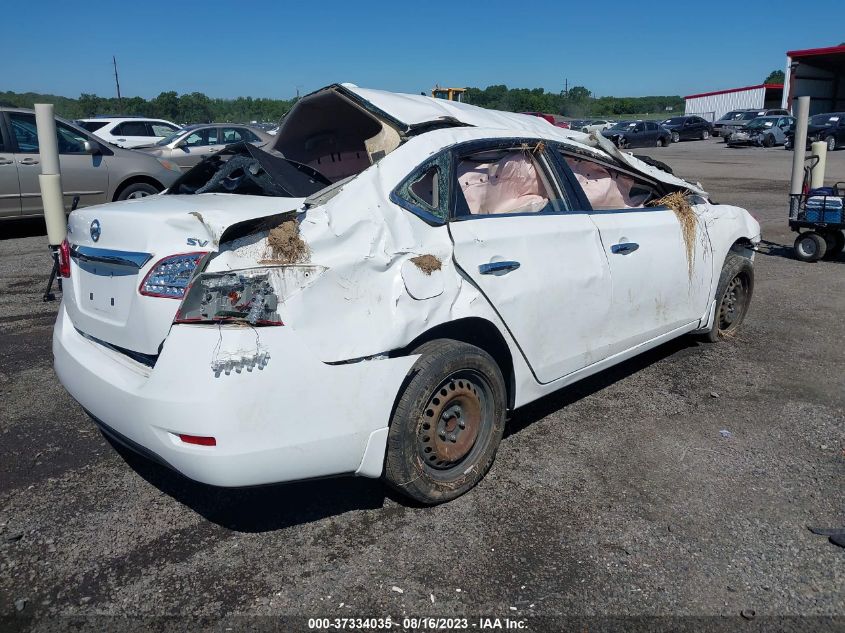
(196,107)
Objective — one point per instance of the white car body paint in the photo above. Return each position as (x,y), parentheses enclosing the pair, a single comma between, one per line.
(322,403)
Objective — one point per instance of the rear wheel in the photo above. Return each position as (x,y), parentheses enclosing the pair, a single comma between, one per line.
(447,423)
(768,140)
(831,143)
(810,247)
(733,297)
(660,142)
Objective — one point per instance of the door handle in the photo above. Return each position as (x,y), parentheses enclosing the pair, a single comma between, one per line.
(5,161)
(623,248)
(29,161)
(498,268)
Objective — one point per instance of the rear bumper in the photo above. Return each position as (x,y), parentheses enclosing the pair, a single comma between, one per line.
(296,418)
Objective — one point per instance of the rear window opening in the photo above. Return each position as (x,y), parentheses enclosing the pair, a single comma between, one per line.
(334,135)
(326,137)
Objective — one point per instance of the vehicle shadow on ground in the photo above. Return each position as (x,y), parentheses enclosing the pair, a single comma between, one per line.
(539,409)
(773,249)
(261,508)
(12,230)
(278,506)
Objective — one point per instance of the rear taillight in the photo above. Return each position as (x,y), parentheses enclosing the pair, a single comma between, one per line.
(170,276)
(239,295)
(64,259)
(199,440)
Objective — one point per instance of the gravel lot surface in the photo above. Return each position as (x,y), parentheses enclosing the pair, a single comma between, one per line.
(616,497)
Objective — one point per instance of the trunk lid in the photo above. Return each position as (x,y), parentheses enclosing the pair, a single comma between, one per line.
(102,296)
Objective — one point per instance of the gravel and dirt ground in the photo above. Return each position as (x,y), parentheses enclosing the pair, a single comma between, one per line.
(617,497)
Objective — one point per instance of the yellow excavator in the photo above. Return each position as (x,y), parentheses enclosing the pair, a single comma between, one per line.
(450,94)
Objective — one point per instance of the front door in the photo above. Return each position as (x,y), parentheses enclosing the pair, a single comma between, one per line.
(540,266)
(83,174)
(661,272)
(196,146)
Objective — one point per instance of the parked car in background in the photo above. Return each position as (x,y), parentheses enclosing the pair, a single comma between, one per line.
(91,169)
(828,128)
(686,128)
(738,119)
(129,132)
(638,134)
(387,316)
(188,146)
(764,131)
(595,125)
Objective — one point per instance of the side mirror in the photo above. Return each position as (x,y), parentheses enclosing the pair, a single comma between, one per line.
(91,147)
(181,143)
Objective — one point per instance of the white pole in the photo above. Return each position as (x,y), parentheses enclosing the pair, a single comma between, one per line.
(819,148)
(799,145)
(50,178)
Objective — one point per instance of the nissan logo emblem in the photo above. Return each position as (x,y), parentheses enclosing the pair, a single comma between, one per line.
(95,230)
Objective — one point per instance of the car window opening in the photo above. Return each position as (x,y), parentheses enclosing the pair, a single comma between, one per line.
(504,181)
(608,189)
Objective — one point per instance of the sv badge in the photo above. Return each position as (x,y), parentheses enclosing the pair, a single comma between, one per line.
(195,241)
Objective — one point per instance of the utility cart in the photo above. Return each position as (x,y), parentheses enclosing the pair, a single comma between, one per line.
(818,216)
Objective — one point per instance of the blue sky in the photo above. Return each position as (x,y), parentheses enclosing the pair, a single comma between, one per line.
(268,49)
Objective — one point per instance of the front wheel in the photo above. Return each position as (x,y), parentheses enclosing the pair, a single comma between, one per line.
(733,297)
(705,134)
(138,190)
(831,143)
(676,138)
(447,423)
(768,140)
(660,142)
(622,143)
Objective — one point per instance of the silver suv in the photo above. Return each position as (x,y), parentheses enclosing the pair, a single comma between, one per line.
(92,169)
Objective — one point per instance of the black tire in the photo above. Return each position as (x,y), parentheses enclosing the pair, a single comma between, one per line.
(831,143)
(834,243)
(768,140)
(660,142)
(809,247)
(676,138)
(447,423)
(622,143)
(138,190)
(705,134)
(733,297)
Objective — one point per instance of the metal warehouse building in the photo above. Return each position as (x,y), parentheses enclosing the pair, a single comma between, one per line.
(818,73)
(714,105)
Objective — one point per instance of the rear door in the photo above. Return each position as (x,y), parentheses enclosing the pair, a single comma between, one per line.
(83,174)
(540,265)
(656,288)
(10,190)
(131,134)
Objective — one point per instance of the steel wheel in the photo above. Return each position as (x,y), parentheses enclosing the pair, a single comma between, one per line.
(137,194)
(705,135)
(454,418)
(831,143)
(733,305)
(676,138)
(810,247)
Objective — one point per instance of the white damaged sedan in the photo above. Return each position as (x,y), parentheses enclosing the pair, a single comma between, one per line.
(372,291)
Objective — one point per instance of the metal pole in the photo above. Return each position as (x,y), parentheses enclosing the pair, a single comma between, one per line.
(799,145)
